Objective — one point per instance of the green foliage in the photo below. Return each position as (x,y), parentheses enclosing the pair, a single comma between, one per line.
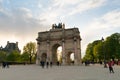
(29,54)
(98,52)
(14,56)
(25,57)
(30,48)
(90,54)
(2,56)
(110,47)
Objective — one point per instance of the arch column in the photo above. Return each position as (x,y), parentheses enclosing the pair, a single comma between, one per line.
(79,52)
(75,50)
(38,56)
(63,52)
(48,50)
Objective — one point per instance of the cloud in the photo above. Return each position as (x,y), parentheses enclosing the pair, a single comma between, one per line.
(86,5)
(21,20)
(101,27)
(60,9)
(1,6)
(110,20)
(1,1)
(63,3)
(19,24)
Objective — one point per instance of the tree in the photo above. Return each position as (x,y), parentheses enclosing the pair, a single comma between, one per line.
(109,49)
(112,46)
(90,54)
(2,56)
(30,48)
(25,57)
(98,51)
(14,56)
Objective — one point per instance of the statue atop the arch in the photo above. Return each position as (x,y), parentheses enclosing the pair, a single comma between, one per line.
(59,26)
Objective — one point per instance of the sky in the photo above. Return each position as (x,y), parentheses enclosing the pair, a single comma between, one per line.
(21,20)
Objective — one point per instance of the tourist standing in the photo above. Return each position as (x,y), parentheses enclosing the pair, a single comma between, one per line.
(47,64)
(3,64)
(42,63)
(110,64)
(50,63)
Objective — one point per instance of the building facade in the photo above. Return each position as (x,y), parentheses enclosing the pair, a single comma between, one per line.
(49,41)
(10,47)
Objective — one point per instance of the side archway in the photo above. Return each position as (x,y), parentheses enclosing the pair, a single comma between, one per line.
(70,58)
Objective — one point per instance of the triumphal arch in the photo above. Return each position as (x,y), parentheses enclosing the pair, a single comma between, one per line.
(49,41)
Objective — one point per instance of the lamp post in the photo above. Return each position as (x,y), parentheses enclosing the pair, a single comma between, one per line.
(105,65)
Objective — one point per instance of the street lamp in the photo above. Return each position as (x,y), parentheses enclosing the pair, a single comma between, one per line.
(105,65)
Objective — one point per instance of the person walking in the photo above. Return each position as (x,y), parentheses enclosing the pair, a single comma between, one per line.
(47,64)
(110,65)
(50,63)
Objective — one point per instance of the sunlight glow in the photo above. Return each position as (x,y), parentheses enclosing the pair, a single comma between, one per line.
(13,39)
(72,56)
(59,53)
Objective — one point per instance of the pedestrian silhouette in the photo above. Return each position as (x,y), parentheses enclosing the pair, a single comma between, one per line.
(110,64)
(42,63)
(47,64)
(51,64)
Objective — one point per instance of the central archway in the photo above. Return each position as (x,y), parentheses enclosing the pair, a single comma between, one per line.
(56,54)
(59,54)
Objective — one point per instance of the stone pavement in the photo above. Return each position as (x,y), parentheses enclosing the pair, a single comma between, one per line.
(35,72)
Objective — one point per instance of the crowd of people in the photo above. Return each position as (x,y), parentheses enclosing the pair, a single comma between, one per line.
(5,64)
(48,64)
